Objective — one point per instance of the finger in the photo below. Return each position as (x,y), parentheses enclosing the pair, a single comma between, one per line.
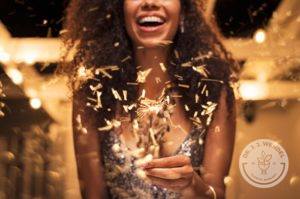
(171,173)
(174,185)
(168,162)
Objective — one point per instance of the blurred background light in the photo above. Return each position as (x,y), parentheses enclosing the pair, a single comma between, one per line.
(35,103)
(15,75)
(260,36)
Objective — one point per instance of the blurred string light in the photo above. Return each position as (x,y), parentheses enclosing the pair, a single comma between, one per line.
(253,90)
(35,103)
(15,75)
(4,57)
(260,36)
(29,58)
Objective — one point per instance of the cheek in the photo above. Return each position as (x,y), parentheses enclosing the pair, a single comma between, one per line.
(174,13)
(129,11)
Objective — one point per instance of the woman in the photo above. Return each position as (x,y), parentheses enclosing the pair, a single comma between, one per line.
(131,56)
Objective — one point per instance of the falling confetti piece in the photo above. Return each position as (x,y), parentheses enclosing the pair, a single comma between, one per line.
(125,59)
(142,75)
(116,44)
(110,125)
(116,94)
(163,67)
(184,85)
(201,70)
(2,95)
(80,127)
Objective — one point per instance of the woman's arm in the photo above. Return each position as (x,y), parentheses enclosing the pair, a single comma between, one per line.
(219,145)
(87,151)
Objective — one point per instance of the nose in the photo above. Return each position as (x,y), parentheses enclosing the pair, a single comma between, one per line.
(151,4)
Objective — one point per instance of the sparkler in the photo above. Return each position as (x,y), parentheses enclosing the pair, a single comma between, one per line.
(153,121)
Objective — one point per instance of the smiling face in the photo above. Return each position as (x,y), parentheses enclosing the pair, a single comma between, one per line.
(150,23)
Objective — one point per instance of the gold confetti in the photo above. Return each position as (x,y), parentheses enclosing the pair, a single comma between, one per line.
(116,44)
(110,125)
(95,88)
(201,70)
(116,94)
(186,107)
(179,77)
(157,80)
(2,105)
(165,42)
(125,95)
(176,54)
(104,72)
(196,98)
(132,83)
(203,89)
(195,114)
(80,127)
(187,64)
(163,67)
(98,104)
(184,85)
(125,59)
(143,94)
(142,75)
(93,9)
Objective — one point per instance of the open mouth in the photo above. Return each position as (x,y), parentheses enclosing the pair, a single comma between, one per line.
(150,21)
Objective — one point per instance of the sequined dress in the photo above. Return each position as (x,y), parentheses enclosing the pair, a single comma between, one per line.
(120,170)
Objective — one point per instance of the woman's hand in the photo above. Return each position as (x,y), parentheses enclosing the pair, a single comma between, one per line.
(175,173)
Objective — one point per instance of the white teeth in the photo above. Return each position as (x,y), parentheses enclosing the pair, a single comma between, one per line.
(151,19)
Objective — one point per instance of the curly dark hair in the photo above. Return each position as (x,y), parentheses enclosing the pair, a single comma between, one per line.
(94,27)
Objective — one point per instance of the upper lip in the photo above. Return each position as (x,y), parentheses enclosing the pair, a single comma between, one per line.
(151,15)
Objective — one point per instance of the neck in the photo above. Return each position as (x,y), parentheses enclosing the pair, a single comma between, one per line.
(156,60)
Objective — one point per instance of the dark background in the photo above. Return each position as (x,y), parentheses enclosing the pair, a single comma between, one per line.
(43,18)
